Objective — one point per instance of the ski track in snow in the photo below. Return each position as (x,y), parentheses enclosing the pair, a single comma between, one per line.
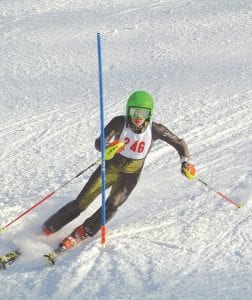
(173,238)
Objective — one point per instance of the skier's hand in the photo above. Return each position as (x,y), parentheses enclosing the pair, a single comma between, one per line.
(188,170)
(113,148)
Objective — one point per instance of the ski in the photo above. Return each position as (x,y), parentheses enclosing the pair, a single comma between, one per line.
(69,242)
(74,239)
(53,255)
(9,258)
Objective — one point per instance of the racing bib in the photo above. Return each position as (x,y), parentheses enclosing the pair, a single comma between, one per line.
(136,145)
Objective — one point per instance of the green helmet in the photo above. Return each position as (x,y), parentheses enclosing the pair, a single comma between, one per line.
(140,99)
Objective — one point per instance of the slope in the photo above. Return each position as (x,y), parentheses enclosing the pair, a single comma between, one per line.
(172,239)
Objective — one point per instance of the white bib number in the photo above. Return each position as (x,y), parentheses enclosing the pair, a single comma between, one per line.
(136,145)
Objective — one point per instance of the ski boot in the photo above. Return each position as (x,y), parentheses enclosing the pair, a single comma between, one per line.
(79,234)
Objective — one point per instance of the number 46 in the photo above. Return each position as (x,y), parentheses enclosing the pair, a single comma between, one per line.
(136,146)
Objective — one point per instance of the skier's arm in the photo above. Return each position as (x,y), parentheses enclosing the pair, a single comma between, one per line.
(163,133)
(111,131)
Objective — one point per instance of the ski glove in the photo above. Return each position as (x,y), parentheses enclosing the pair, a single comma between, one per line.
(188,170)
(113,148)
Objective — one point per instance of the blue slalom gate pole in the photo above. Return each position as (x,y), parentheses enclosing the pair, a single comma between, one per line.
(103,170)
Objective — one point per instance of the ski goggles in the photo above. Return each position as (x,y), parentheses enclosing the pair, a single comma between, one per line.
(142,113)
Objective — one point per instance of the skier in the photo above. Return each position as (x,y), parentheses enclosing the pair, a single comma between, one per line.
(138,132)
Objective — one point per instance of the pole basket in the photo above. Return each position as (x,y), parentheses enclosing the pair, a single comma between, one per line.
(2,229)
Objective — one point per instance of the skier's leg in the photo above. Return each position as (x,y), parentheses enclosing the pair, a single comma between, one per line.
(73,209)
(119,193)
(94,185)
(63,216)
(83,231)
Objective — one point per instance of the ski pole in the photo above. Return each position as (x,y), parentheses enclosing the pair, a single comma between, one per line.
(4,228)
(220,194)
(112,149)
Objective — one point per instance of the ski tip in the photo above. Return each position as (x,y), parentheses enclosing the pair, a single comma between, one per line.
(9,258)
(50,257)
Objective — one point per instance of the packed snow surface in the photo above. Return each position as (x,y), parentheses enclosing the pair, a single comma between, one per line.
(173,238)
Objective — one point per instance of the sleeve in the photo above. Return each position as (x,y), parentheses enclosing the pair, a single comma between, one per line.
(111,130)
(161,132)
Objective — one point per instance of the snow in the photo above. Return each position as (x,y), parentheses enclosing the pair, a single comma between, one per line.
(173,238)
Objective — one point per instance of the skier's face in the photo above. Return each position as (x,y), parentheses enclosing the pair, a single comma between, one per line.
(138,122)
(138,115)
